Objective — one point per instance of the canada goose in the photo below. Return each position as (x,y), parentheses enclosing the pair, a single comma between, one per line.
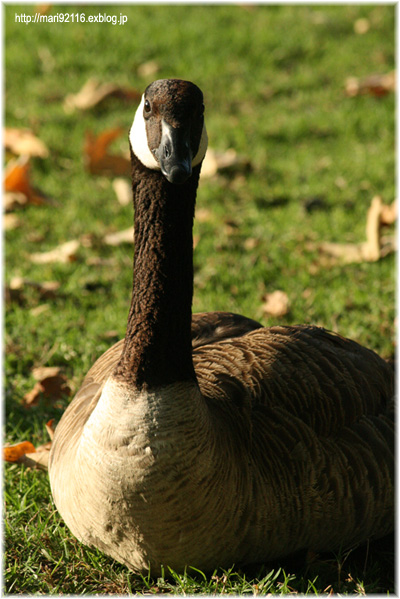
(255,443)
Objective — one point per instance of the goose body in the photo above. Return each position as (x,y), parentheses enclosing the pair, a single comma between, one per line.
(209,440)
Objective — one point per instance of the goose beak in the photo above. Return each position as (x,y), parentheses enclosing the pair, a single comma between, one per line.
(174,153)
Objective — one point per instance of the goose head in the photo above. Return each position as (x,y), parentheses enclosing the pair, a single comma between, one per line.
(168,132)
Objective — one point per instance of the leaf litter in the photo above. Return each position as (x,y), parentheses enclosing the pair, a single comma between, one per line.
(95,92)
(98,159)
(376,245)
(23,142)
(26,453)
(17,185)
(276,303)
(375,85)
(51,383)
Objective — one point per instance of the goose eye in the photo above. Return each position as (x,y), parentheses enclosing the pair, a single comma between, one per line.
(147,106)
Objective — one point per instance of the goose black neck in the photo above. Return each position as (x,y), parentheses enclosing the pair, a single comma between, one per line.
(158,349)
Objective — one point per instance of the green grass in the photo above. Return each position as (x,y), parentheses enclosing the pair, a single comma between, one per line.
(273,78)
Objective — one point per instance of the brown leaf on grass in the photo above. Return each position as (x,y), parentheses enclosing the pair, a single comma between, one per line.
(98,160)
(64,253)
(51,384)
(42,372)
(17,181)
(26,453)
(50,428)
(229,160)
(125,236)
(37,459)
(371,250)
(375,85)
(23,142)
(94,92)
(13,453)
(276,303)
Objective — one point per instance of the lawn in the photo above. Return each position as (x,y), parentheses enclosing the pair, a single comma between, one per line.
(313,157)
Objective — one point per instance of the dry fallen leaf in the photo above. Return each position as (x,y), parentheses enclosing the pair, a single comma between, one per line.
(125,236)
(94,92)
(42,372)
(371,250)
(17,181)
(276,303)
(26,453)
(13,453)
(215,162)
(23,142)
(388,213)
(63,253)
(51,384)
(97,158)
(123,191)
(37,459)
(50,428)
(375,85)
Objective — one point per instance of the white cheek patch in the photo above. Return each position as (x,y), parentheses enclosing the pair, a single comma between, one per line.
(138,139)
(201,152)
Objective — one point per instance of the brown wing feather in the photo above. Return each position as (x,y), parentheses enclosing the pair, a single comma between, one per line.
(322,378)
(321,408)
